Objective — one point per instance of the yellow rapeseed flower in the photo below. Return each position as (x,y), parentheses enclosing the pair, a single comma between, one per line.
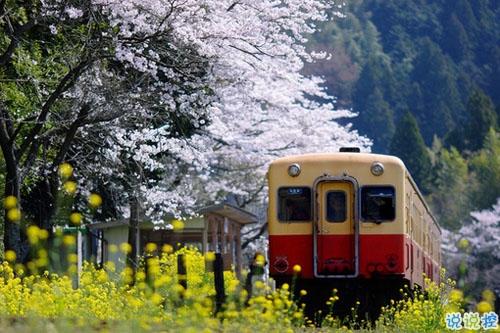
(126,247)
(110,266)
(68,240)
(141,276)
(65,171)
(72,269)
(463,244)
(260,260)
(151,247)
(210,256)
(70,187)
(153,266)
(10,202)
(76,218)
(42,253)
(489,296)
(156,299)
(127,271)
(102,276)
(259,284)
(10,256)
(113,248)
(101,294)
(32,232)
(13,214)
(43,260)
(95,200)
(72,258)
(456,296)
(178,225)
(167,249)
(43,233)
(484,307)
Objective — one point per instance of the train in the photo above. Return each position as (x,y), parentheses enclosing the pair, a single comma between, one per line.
(352,222)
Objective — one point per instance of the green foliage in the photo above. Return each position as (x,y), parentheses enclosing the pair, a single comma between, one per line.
(376,119)
(407,144)
(455,39)
(469,136)
(42,58)
(486,168)
(482,117)
(439,52)
(450,193)
(371,93)
(440,102)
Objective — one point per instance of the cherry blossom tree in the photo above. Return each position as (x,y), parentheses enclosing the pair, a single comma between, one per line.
(165,104)
(472,253)
(259,107)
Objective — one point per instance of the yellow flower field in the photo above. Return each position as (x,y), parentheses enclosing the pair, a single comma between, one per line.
(154,300)
(151,299)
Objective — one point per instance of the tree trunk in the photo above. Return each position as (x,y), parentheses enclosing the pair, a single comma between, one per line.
(12,235)
(132,232)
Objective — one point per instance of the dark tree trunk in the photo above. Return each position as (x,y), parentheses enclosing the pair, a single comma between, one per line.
(132,232)
(12,235)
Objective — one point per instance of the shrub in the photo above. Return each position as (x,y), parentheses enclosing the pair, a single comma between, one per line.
(422,311)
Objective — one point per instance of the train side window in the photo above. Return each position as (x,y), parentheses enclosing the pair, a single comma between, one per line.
(294,204)
(378,203)
(336,206)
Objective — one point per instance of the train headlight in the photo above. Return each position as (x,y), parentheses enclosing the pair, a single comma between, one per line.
(294,170)
(377,168)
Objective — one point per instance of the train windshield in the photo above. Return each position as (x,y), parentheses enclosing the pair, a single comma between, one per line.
(294,204)
(377,204)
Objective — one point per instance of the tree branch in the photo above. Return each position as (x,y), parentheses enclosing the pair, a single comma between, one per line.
(70,135)
(67,82)
(15,37)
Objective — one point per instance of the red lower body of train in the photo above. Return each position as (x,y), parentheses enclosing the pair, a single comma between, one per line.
(366,279)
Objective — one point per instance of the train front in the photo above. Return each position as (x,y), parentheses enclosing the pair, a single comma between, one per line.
(336,222)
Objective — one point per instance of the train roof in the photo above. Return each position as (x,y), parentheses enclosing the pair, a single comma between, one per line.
(354,156)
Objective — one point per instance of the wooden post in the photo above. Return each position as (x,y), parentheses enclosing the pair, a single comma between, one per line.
(220,294)
(215,231)
(223,234)
(181,270)
(239,263)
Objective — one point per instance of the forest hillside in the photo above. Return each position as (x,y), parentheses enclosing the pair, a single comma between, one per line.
(424,78)
(422,55)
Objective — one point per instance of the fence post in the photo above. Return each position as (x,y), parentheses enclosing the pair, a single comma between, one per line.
(181,270)
(220,294)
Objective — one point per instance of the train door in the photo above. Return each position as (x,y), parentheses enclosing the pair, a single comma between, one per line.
(336,232)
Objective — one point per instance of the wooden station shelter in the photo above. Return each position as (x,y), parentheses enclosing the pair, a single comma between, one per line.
(222,232)
(218,229)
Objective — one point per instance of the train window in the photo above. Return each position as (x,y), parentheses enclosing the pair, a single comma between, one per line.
(294,204)
(377,203)
(336,206)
